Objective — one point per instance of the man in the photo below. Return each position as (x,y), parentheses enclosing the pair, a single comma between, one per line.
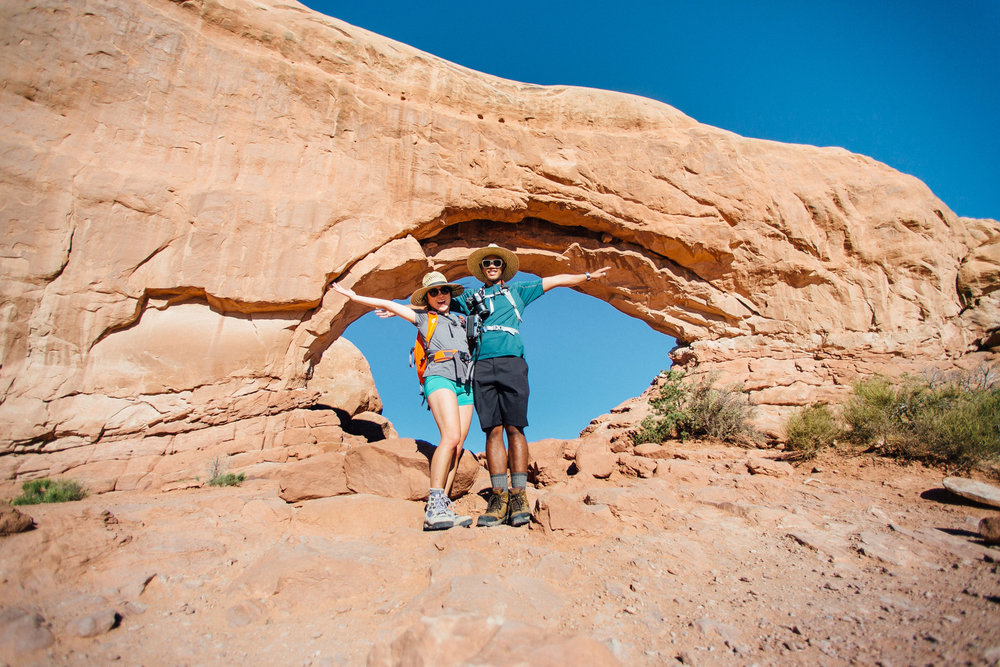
(500,380)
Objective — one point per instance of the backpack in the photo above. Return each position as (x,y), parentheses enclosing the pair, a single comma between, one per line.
(419,357)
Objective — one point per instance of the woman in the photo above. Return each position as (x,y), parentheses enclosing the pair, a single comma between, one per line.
(447,384)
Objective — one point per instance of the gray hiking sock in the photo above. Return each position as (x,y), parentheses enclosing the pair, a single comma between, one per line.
(518,480)
(499,481)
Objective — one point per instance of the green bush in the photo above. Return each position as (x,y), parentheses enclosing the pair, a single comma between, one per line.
(698,409)
(717,413)
(229,479)
(873,411)
(957,427)
(955,421)
(667,407)
(811,429)
(49,491)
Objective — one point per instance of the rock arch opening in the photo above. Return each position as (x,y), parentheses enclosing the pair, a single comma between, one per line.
(584,358)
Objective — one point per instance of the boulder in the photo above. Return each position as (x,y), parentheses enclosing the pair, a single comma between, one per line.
(13,520)
(344,379)
(547,462)
(316,477)
(636,466)
(400,468)
(595,459)
(970,489)
(563,512)
(989,529)
(653,451)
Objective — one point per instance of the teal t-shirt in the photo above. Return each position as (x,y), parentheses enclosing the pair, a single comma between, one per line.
(503,342)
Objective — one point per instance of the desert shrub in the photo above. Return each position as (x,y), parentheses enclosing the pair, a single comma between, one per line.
(957,427)
(698,409)
(49,491)
(667,407)
(722,413)
(872,413)
(811,429)
(652,429)
(216,476)
(954,421)
(228,479)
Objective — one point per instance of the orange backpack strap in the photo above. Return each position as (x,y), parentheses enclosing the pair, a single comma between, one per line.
(420,357)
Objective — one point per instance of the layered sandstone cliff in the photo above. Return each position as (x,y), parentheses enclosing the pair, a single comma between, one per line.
(183,180)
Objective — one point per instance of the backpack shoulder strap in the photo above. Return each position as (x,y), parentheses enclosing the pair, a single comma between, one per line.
(432,322)
(510,297)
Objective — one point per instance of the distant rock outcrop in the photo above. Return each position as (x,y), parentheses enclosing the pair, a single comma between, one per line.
(183,180)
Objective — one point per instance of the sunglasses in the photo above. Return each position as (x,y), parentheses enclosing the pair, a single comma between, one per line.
(497,263)
(434,291)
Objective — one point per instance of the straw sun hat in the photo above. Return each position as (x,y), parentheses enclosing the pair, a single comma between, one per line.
(510,263)
(432,280)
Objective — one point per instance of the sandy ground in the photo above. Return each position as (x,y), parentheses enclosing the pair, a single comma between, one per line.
(847,560)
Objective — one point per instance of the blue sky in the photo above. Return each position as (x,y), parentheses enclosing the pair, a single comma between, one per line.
(914,84)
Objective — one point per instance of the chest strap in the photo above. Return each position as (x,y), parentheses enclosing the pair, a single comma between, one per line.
(510,297)
(495,327)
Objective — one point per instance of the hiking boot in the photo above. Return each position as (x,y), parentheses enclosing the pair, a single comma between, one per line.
(518,512)
(461,520)
(439,514)
(496,511)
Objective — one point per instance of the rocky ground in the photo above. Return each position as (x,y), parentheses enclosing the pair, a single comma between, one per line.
(843,560)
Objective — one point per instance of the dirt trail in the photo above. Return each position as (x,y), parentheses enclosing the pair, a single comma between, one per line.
(843,561)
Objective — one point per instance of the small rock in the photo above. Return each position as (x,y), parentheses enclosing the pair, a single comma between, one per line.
(23,631)
(135,608)
(686,658)
(762,466)
(95,624)
(244,613)
(989,529)
(13,520)
(981,492)
(728,632)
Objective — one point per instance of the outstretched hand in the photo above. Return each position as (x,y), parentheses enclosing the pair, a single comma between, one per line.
(346,291)
(384,314)
(600,273)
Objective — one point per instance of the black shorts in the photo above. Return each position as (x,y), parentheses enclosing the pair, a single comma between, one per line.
(500,390)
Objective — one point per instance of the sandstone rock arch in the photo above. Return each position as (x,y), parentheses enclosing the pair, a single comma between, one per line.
(179,197)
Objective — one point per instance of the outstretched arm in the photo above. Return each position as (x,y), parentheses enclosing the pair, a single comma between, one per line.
(399,309)
(570,279)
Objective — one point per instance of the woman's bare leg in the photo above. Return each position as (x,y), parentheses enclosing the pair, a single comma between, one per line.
(465,415)
(445,409)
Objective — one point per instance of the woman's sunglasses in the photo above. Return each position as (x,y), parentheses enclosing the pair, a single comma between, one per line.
(487,263)
(434,291)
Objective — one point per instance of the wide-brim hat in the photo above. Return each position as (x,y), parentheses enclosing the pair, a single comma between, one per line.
(432,280)
(510,262)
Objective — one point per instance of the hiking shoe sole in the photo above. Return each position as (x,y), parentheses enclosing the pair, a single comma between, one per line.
(519,519)
(489,521)
(463,522)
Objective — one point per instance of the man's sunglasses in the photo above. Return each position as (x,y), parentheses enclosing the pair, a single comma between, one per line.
(487,263)
(434,291)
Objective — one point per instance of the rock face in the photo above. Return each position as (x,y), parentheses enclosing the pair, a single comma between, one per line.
(182,182)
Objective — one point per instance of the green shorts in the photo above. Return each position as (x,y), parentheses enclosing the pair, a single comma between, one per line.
(462,391)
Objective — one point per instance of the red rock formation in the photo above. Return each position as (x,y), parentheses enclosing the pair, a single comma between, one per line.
(182,181)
